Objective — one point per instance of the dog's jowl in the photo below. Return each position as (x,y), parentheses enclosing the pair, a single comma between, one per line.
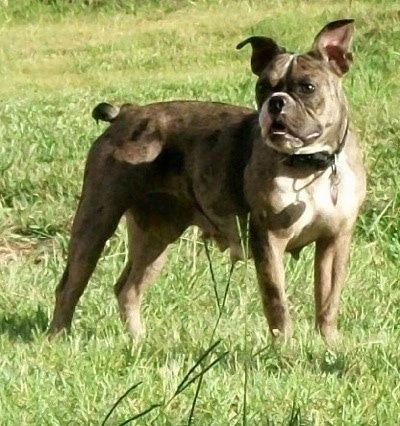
(294,165)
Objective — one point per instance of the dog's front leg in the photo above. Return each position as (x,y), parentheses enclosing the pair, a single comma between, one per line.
(268,254)
(331,258)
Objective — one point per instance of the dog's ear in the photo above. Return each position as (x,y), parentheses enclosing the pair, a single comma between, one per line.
(264,50)
(334,42)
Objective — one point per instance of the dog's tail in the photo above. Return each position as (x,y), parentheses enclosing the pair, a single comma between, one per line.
(105,112)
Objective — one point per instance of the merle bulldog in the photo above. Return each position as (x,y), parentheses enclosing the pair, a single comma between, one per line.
(293,168)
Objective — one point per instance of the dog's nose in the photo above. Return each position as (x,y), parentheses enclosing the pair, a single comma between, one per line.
(276,104)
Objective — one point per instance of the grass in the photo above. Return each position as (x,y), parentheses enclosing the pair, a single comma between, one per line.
(57,61)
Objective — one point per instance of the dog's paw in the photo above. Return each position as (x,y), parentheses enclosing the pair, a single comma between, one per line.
(330,335)
(136,328)
(282,335)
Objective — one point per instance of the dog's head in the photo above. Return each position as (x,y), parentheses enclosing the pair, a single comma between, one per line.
(302,106)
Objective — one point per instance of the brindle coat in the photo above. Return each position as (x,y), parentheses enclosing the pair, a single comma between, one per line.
(170,165)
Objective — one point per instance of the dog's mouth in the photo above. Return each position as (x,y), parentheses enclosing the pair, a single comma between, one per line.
(280,131)
(278,128)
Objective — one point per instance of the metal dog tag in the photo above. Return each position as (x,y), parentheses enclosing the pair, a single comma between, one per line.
(335,180)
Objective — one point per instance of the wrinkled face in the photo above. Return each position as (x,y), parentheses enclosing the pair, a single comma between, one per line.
(302,106)
(301,103)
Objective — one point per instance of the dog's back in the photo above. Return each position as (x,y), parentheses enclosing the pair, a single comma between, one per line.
(189,147)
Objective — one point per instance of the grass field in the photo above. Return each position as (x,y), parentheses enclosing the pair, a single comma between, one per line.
(57,60)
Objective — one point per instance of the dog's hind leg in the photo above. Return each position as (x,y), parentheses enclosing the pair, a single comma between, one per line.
(96,219)
(146,258)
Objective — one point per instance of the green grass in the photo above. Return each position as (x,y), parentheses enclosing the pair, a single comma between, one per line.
(56,62)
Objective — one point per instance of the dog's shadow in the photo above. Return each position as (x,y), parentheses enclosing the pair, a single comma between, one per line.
(23,326)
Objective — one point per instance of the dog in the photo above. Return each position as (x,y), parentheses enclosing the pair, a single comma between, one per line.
(293,167)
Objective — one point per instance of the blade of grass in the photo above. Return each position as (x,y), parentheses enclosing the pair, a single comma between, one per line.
(212,273)
(182,385)
(142,414)
(221,307)
(133,387)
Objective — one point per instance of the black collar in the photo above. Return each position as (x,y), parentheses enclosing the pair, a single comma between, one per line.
(319,160)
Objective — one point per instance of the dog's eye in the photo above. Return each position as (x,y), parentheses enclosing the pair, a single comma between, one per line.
(307,88)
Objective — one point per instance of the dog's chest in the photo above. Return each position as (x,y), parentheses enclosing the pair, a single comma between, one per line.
(300,200)
(304,209)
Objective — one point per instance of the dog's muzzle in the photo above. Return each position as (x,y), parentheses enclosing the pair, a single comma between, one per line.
(278,125)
